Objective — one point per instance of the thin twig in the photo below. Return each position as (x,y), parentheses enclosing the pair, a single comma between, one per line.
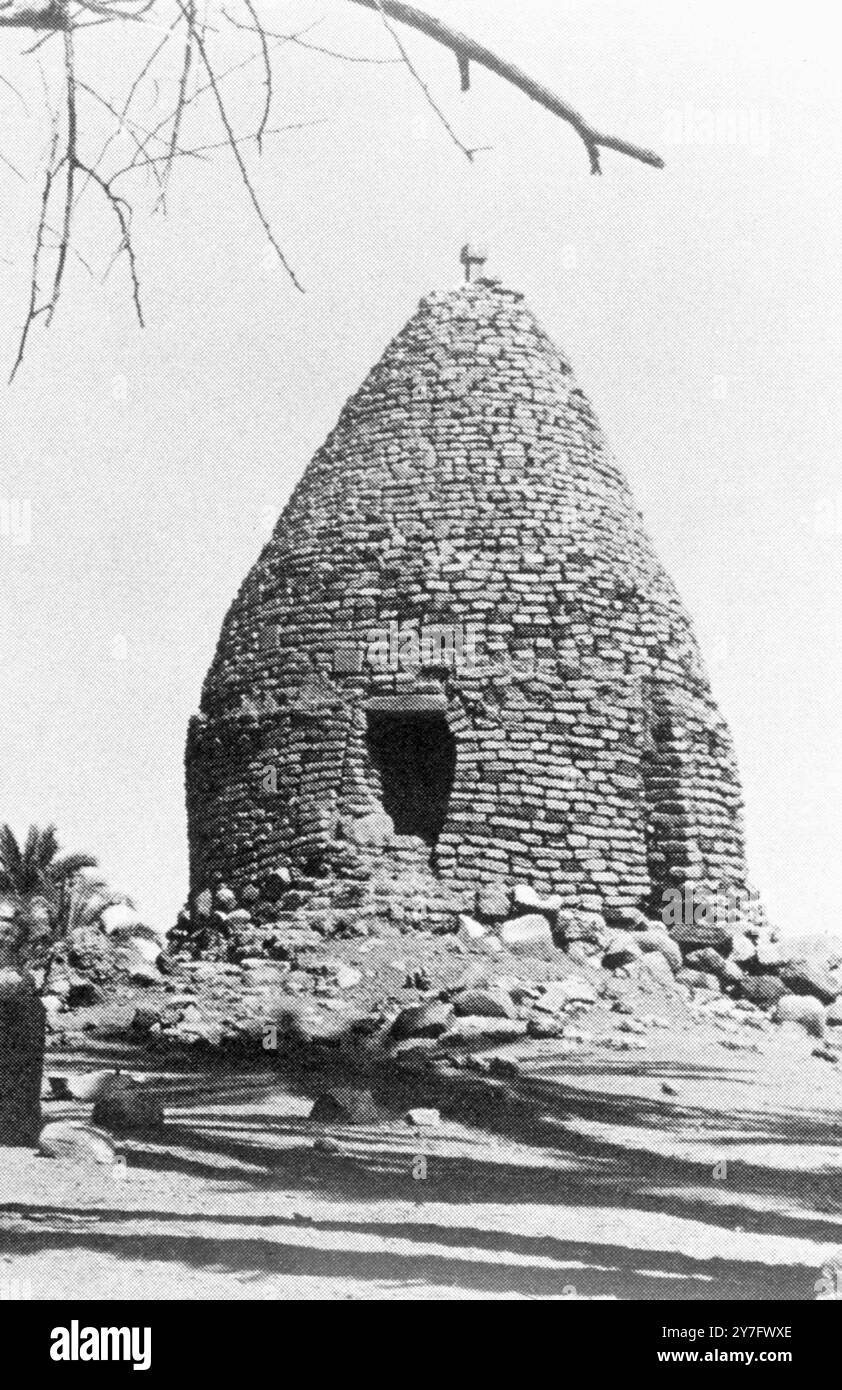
(267,75)
(241,165)
(314,47)
(33,309)
(419,80)
(122,212)
(189,13)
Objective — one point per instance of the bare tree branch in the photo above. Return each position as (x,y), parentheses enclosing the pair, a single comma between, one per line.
(467,51)
(189,13)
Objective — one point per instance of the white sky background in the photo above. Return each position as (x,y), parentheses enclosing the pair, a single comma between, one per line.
(700,306)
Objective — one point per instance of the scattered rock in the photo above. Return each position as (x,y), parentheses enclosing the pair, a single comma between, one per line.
(692,936)
(769,953)
(422,1020)
(544,1025)
(82,994)
(810,978)
(577,927)
(203,903)
(423,1119)
(526,933)
(327,1146)
(527,900)
(629,919)
(347,976)
(224,900)
(833,1017)
(559,993)
(484,1003)
(463,1030)
(503,1068)
(762,990)
(346,1105)
(88,1086)
(743,950)
(697,979)
(655,939)
(622,949)
(69,1139)
(493,902)
(470,928)
(712,962)
(129,1111)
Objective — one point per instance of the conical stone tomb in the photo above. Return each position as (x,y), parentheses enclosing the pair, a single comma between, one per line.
(458,660)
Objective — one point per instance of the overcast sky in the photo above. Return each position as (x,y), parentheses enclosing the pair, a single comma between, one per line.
(700,307)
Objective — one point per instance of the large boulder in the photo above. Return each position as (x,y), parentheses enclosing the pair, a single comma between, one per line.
(131,1110)
(468,1030)
(810,977)
(803,1009)
(22,1037)
(484,1003)
(422,1020)
(762,990)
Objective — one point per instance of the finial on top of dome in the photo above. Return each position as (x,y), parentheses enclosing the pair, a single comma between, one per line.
(473,258)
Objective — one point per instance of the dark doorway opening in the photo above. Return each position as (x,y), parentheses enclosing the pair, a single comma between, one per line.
(415,755)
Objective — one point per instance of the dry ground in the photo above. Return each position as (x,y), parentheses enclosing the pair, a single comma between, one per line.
(583,1178)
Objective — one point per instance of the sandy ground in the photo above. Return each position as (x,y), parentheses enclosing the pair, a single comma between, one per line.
(584,1178)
